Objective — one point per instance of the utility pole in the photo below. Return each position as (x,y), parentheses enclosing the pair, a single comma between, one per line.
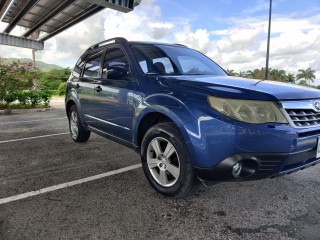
(268,47)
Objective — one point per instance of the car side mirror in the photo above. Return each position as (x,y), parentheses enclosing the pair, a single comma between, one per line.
(117,72)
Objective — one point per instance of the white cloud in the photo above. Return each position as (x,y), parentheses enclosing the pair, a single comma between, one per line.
(295,38)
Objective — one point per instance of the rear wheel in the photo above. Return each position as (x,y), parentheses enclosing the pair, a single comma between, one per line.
(77,131)
(166,162)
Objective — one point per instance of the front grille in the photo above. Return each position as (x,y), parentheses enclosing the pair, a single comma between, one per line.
(304,117)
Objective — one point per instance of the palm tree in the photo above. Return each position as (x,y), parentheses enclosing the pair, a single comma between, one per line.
(231,72)
(250,74)
(255,74)
(243,74)
(307,75)
(291,78)
(278,75)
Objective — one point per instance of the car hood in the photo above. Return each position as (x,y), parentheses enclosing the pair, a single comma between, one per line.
(242,88)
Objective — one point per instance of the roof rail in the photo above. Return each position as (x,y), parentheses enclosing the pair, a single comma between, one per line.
(181,45)
(107,42)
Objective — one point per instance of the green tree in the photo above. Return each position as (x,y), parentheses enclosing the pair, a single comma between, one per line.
(291,78)
(278,75)
(50,81)
(307,75)
(242,74)
(231,72)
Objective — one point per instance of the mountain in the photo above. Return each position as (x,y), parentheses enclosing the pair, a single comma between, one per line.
(39,64)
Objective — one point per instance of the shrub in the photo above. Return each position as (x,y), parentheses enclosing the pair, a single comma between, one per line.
(22,97)
(34,98)
(45,97)
(10,98)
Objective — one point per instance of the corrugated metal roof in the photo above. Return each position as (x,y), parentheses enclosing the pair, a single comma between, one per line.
(53,17)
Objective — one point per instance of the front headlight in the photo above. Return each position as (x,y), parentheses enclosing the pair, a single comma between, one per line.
(250,111)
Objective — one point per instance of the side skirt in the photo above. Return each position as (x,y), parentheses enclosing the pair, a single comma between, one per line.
(114,138)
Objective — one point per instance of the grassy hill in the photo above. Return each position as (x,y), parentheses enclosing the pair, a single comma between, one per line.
(39,64)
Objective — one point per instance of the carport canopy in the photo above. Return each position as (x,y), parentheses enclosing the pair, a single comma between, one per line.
(44,19)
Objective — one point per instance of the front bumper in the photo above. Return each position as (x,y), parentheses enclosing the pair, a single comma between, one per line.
(267,165)
(274,149)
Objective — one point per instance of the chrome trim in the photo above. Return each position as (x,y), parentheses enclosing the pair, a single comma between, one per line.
(305,104)
(299,105)
(110,123)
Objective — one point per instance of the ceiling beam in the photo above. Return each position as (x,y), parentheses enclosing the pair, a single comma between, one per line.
(53,13)
(80,17)
(19,16)
(14,41)
(2,2)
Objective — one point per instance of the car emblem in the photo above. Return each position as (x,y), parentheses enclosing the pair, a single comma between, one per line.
(317,105)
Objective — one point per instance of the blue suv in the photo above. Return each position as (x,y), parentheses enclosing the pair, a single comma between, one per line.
(187,118)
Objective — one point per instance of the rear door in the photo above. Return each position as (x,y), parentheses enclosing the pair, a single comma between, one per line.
(114,99)
(86,85)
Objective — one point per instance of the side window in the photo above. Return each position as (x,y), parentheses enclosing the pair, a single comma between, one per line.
(115,65)
(162,65)
(78,68)
(92,66)
(153,60)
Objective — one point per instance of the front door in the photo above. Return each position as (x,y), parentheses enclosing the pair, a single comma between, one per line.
(114,108)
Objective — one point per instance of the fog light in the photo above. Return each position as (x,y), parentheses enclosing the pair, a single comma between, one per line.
(236,169)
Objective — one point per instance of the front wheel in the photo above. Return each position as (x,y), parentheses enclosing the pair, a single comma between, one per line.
(77,131)
(166,162)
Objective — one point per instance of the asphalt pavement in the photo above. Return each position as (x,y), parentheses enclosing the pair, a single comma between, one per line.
(37,153)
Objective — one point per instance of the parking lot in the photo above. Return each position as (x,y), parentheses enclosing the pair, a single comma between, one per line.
(38,154)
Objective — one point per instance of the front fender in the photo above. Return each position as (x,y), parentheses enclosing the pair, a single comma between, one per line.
(170,107)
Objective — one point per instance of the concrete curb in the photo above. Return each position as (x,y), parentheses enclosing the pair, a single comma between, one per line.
(14,111)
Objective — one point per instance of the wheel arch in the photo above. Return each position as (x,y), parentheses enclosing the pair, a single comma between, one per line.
(152,116)
(72,99)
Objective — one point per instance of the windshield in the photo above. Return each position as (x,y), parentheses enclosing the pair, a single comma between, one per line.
(174,60)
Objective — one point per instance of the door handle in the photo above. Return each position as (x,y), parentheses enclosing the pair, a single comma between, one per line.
(98,89)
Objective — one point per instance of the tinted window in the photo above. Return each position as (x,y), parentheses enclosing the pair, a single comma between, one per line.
(174,60)
(114,58)
(191,65)
(162,65)
(78,68)
(92,66)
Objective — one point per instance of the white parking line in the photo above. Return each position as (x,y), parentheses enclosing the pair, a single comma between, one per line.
(68,184)
(43,136)
(39,120)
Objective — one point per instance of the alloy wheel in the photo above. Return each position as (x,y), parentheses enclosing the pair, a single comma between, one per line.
(163,162)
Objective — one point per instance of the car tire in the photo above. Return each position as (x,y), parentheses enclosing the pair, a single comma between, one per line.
(77,131)
(166,162)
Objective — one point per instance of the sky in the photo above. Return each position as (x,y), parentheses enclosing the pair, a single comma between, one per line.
(231,32)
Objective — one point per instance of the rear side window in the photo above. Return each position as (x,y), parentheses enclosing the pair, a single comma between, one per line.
(93,65)
(78,68)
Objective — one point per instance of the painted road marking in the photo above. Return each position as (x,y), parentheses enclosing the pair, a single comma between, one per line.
(43,136)
(68,184)
(39,120)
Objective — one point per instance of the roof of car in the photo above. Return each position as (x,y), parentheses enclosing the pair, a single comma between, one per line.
(121,40)
(157,43)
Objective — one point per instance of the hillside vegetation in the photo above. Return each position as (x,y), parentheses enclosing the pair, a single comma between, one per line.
(42,66)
